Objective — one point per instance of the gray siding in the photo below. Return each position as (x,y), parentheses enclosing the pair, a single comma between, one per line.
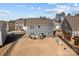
(46,30)
(75,33)
(66,27)
(3,34)
(0,39)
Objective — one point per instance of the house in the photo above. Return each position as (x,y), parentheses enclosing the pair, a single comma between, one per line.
(11,25)
(57,26)
(7,26)
(39,26)
(70,25)
(20,23)
(3,32)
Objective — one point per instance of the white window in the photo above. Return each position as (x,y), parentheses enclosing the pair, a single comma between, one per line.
(48,33)
(38,26)
(75,34)
(31,27)
(78,33)
(31,33)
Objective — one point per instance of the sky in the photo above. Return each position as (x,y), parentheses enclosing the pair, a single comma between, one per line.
(12,11)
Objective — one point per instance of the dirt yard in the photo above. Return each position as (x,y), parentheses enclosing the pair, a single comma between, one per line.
(41,47)
(10,40)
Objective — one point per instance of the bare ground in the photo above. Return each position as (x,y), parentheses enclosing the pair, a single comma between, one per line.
(41,47)
(10,40)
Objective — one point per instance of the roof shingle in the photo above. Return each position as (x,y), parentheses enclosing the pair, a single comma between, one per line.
(39,21)
(73,22)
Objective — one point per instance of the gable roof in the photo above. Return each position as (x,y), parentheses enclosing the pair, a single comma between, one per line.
(21,21)
(73,22)
(39,21)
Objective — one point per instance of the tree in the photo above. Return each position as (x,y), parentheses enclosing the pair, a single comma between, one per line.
(68,14)
(59,20)
(43,17)
(76,14)
(25,22)
(40,16)
(20,19)
(60,15)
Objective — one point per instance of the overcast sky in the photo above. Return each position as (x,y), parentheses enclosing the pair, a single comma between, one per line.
(25,10)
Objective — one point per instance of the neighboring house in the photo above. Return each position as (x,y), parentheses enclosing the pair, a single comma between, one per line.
(70,25)
(7,26)
(57,26)
(11,25)
(20,23)
(3,32)
(39,26)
